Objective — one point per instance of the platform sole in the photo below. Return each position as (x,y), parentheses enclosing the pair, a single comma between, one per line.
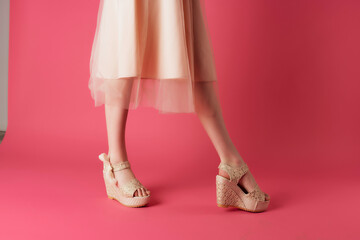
(228,194)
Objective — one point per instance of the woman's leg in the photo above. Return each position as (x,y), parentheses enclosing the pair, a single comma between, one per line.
(116,117)
(209,111)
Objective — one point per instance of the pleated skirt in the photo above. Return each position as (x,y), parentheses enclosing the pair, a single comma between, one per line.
(153,53)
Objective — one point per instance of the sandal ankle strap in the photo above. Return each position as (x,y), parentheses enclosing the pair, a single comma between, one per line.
(113,166)
(120,165)
(235,173)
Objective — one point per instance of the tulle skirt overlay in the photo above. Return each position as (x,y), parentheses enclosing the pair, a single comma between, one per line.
(154,53)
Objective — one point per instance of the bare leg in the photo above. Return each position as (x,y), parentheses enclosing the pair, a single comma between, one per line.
(116,117)
(210,115)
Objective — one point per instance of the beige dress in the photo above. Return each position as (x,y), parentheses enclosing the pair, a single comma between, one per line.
(152,53)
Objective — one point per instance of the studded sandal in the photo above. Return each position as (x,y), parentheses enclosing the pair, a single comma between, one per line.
(124,193)
(230,194)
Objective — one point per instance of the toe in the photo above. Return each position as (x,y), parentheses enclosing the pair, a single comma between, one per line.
(267,197)
(146,192)
(139,192)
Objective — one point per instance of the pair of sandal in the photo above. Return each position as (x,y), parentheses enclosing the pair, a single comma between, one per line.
(228,192)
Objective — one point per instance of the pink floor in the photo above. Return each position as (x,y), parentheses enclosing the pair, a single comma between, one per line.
(289,85)
(52,189)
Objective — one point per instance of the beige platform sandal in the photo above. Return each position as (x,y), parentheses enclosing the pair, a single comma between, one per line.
(230,194)
(124,193)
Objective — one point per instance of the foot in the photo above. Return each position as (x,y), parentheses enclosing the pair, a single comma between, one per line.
(125,175)
(247,182)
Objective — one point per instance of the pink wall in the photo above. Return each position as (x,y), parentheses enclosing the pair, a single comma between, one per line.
(288,73)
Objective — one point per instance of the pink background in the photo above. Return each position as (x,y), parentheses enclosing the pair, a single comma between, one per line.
(289,85)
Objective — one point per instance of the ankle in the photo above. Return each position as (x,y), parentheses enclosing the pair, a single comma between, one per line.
(232,160)
(116,158)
